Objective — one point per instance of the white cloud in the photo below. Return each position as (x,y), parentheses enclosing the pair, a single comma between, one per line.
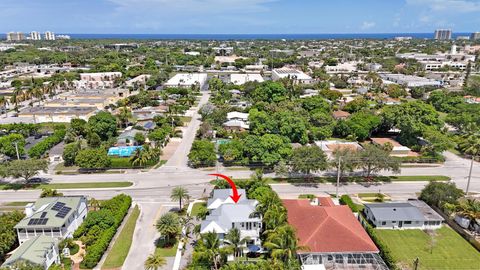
(367,25)
(198,6)
(451,6)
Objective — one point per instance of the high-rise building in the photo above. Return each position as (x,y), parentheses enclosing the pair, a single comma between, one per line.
(49,35)
(475,36)
(15,36)
(34,35)
(443,34)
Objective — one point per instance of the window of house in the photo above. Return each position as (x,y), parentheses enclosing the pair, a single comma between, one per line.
(407,222)
(384,223)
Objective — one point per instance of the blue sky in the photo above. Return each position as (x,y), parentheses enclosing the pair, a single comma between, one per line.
(239,16)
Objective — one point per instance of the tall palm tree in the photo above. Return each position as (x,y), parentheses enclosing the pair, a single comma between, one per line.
(3,103)
(124,115)
(236,241)
(168,225)
(154,261)
(179,194)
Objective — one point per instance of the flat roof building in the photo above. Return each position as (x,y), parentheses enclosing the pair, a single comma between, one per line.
(184,80)
(410,80)
(58,114)
(241,79)
(294,74)
(443,34)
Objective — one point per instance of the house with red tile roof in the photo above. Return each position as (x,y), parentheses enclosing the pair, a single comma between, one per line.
(332,235)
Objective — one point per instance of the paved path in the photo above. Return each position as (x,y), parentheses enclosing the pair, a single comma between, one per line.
(180,157)
(144,237)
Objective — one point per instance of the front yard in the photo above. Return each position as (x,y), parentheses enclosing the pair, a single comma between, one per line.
(448,250)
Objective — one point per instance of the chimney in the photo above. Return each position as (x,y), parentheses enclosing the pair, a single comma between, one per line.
(315,202)
(29,209)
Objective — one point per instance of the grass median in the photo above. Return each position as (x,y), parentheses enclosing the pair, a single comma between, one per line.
(353,179)
(117,255)
(17,186)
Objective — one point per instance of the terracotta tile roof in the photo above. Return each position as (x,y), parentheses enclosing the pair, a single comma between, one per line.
(383,141)
(340,114)
(327,228)
(337,147)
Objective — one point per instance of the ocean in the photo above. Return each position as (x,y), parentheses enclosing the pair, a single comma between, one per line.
(257,36)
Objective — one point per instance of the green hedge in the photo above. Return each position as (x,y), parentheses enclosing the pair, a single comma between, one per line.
(346,200)
(117,207)
(385,252)
(124,163)
(39,149)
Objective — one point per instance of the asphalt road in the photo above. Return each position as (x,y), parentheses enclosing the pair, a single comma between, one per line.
(151,190)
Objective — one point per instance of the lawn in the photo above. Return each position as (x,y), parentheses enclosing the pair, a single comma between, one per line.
(169,251)
(197,207)
(16,186)
(450,250)
(117,255)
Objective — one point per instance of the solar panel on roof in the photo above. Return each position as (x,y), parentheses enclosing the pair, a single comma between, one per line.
(58,206)
(31,221)
(43,214)
(43,221)
(63,212)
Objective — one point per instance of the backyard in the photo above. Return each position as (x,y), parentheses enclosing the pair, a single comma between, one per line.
(446,250)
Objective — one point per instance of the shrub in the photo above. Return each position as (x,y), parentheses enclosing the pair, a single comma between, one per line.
(39,149)
(346,200)
(100,226)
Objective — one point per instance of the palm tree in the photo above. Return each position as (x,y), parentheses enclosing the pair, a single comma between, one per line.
(179,194)
(283,244)
(154,261)
(274,217)
(139,157)
(209,246)
(169,225)
(469,208)
(94,203)
(236,241)
(124,115)
(3,103)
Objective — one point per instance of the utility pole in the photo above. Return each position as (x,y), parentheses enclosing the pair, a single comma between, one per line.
(16,149)
(338,175)
(470,175)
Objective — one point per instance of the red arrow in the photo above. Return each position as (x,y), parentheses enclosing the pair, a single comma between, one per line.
(235,197)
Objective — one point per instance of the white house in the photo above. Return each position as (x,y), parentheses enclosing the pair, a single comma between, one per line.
(297,75)
(413,214)
(240,79)
(41,250)
(56,217)
(185,80)
(225,215)
(237,116)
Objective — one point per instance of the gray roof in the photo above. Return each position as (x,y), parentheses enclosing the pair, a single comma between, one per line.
(395,211)
(223,194)
(33,250)
(226,214)
(45,208)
